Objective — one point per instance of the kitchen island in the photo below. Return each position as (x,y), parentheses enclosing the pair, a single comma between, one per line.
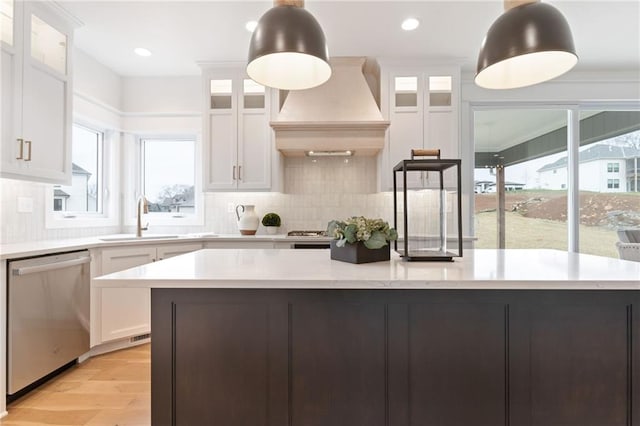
(281,337)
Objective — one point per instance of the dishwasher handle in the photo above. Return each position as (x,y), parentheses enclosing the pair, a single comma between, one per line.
(51,266)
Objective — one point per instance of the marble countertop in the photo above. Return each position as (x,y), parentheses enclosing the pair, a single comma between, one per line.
(37,248)
(313,269)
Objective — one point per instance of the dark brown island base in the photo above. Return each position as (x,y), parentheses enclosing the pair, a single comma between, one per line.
(293,338)
(395,357)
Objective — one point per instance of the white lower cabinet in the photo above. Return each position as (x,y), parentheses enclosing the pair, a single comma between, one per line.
(119,313)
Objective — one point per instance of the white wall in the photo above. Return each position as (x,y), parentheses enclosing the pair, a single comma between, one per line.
(93,79)
(161,94)
(161,105)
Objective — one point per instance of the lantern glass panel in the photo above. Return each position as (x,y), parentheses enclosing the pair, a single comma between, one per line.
(428,216)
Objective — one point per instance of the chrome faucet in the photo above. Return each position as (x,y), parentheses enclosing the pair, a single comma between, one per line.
(142,207)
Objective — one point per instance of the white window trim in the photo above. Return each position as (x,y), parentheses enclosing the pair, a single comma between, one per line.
(573,220)
(110,206)
(134,175)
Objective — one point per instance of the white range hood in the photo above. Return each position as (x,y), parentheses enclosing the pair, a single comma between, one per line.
(340,115)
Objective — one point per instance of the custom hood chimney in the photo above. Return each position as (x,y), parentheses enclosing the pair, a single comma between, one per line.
(340,115)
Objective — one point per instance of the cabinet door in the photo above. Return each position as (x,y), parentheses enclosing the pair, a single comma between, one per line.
(254,136)
(441,112)
(125,312)
(171,250)
(46,96)
(11,159)
(11,78)
(222,165)
(407,124)
(220,133)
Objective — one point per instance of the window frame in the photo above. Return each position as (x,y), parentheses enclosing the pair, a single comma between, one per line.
(108,216)
(573,126)
(136,175)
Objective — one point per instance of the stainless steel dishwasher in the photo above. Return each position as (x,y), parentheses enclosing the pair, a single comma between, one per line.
(48,315)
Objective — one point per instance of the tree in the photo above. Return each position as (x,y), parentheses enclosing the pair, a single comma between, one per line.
(631,140)
(173,196)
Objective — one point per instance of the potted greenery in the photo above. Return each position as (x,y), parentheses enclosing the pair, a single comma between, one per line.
(271,222)
(360,240)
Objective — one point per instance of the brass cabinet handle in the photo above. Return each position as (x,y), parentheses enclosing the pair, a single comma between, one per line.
(21,155)
(234,172)
(239,172)
(28,143)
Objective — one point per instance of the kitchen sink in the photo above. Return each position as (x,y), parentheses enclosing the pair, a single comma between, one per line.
(132,237)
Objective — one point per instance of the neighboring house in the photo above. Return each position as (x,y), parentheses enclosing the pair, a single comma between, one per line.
(76,197)
(483,186)
(603,168)
(60,200)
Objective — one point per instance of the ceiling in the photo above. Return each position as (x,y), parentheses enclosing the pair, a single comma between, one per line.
(606,33)
(182,33)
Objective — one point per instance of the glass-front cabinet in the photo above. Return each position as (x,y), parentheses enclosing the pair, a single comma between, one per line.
(236,133)
(421,101)
(36,92)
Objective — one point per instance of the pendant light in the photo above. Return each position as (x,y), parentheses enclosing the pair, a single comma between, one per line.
(288,49)
(529,43)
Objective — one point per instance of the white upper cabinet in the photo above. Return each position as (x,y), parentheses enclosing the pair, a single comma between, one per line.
(237,135)
(422,103)
(36,92)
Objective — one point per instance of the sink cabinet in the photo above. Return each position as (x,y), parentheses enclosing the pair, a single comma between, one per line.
(36,93)
(118,313)
(238,141)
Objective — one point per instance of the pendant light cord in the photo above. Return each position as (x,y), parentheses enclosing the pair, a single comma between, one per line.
(295,3)
(510,4)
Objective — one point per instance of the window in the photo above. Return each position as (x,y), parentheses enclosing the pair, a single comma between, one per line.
(168,176)
(613,167)
(87,201)
(613,183)
(84,195)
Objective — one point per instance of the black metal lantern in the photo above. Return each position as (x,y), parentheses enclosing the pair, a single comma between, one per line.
(427,207)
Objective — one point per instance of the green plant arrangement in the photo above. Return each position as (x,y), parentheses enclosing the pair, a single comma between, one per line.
(271,219)
(373,233)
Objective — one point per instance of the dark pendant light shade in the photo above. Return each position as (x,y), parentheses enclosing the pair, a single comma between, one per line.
(288,50)
(526,45)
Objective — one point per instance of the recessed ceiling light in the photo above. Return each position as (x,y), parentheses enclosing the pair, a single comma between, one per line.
(142,51)
(251,26)
(410,24)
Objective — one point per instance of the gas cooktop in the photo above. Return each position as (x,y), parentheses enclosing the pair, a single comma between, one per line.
(307,233)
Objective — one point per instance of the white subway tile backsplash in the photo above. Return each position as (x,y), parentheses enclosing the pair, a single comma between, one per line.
(315,194)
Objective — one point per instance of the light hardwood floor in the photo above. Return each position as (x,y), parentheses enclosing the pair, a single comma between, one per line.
(107,390)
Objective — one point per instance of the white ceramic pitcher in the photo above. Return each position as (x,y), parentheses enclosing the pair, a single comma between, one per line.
(248,221)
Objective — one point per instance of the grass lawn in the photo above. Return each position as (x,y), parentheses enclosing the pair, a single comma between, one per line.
(523,232)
